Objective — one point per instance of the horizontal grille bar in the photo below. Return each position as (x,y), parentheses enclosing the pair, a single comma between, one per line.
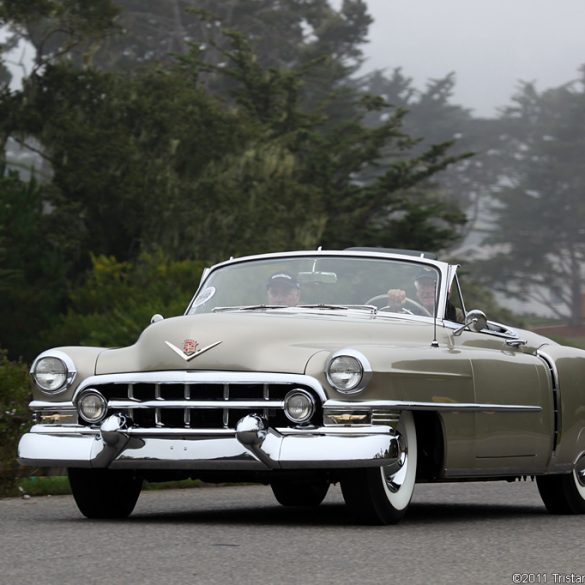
(192,404)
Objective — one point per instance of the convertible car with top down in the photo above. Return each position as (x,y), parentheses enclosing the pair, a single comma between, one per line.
(359,367)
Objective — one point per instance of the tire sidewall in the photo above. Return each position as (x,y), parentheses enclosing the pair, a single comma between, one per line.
(400,499)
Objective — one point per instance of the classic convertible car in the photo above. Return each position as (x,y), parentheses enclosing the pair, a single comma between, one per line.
(361,367)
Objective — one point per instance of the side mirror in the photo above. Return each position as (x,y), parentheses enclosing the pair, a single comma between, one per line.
(156,318)
(475,321)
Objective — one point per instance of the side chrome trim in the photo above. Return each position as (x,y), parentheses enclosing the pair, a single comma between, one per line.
(441,406)
(556,394)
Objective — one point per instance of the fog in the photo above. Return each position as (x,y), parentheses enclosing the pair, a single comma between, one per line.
(489,45)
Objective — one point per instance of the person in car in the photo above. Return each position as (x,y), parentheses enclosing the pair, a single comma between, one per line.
(283,289)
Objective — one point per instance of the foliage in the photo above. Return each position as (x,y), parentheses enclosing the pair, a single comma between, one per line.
(152,160)
(539,208)
(117,299)
(56,27)
(150,31)
(32,266)
(14,418)
(131,170)
(433,118)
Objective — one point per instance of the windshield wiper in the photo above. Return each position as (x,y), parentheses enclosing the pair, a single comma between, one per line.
(370,308)
(248,308)
(328,307)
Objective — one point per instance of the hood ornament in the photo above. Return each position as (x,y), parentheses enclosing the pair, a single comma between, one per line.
(190,350)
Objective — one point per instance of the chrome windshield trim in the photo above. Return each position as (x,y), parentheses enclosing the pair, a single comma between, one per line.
(441,267)
(203,377)
(442,406)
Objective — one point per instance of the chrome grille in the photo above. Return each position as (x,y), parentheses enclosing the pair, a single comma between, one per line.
(197,405)
(384,417)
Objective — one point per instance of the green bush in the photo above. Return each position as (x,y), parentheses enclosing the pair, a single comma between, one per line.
(117,299)
(15,394)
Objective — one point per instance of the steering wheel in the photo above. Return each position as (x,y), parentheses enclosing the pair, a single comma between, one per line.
(418,308)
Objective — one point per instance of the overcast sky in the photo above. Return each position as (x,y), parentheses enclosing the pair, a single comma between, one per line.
(490,44)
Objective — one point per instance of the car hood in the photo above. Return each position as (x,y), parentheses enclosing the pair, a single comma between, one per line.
(239,341)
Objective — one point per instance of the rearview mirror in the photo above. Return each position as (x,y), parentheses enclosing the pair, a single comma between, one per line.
(316,277)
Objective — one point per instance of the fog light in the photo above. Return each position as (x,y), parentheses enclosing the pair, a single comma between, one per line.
(92,406)
(299,406)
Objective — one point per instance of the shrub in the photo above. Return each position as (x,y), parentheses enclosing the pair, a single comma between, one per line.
(15,394)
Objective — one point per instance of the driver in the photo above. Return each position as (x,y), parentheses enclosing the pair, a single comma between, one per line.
(426,290)
(283,289)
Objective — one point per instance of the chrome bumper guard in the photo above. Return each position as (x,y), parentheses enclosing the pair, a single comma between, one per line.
(253,446)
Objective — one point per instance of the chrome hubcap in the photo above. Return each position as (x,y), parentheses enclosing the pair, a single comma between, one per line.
(395,474)
(580,475)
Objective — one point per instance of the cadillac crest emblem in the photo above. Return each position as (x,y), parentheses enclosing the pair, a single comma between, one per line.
(190,349)
(189,346)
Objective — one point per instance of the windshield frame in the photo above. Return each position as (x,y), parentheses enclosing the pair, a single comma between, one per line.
(444,270)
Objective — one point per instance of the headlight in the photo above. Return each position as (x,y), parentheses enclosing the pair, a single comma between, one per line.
(53,371)
(92,406)
(299,406)
(348,371)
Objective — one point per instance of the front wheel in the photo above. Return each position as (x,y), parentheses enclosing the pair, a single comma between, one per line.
(381,495)
(563,494)
(103,493)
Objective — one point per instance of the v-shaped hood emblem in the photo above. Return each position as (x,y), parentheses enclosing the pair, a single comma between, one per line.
(191,354)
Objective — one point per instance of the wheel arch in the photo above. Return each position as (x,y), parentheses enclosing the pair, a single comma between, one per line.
(430,437)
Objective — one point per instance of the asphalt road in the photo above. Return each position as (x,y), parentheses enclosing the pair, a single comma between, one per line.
(453,533)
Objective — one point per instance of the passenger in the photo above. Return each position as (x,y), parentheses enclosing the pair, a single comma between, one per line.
(283,289)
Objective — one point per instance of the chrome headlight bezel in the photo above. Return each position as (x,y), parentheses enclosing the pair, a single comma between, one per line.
(311,407)
(66,374)
(94,394)
(360,366)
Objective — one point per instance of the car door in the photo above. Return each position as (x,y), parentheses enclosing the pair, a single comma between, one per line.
(513,391)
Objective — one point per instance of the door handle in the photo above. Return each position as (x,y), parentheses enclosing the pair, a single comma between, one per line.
(516,342)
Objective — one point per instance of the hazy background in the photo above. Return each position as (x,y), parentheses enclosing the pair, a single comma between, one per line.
(120,142)
(490,45)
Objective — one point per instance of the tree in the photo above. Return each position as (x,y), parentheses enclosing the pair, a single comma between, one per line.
(124,34)
(33,266)
(151,160)
(433,118)
(116,300)
(131,170)
(540,205)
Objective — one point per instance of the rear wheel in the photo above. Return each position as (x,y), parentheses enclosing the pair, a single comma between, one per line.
(381,495)
(300,493)
(103,493)
(563,494)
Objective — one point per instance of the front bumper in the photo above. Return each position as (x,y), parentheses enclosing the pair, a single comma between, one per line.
(252,446)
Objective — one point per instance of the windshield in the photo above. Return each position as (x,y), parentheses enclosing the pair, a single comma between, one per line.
(333,282)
